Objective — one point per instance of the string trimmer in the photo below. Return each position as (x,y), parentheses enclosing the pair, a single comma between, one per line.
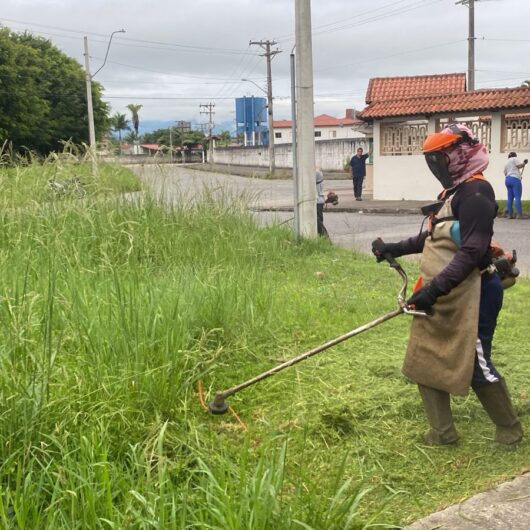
(219,404)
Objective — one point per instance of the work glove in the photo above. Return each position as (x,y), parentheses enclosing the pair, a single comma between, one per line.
(380,248)
(423,299)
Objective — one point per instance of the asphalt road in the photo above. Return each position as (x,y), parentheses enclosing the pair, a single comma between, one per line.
(353,230)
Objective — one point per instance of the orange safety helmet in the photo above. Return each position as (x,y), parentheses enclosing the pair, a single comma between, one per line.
(443,140)
(437,159)
(439,141)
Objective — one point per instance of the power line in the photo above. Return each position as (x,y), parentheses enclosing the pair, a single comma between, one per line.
(164,72)
(393,55)
(184,47)
(416,5)
(172,97)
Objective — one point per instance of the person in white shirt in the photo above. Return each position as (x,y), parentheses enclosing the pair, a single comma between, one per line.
(321,200)
(514,185)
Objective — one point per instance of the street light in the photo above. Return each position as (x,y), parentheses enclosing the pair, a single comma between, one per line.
(90,108)
(108,48)
(255,84)
(272,163)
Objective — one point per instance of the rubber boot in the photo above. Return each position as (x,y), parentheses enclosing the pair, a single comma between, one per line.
(437,405)
(496,401)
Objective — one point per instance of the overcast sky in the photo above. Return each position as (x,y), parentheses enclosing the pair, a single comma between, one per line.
(177,54)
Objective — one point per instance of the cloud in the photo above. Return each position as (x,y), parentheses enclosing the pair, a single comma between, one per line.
(200,50)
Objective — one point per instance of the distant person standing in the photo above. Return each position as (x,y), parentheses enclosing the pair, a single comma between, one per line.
(358,172)
(321,200)
(514,185)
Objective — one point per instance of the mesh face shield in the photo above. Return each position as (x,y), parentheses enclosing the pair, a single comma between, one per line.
(436,148)
(438,163)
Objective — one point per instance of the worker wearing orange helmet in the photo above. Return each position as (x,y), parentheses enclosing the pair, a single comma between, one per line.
(450,350)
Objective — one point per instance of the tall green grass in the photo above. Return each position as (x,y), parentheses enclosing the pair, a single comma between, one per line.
(111,312)
(24,178)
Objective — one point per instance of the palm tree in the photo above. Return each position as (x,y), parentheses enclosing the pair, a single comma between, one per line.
(134,114)
(225,138)
(119,122)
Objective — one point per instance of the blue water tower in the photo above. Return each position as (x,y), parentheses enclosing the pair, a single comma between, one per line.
(251,118)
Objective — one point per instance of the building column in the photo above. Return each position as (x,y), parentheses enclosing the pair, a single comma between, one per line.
(376,154)
(496,138)
(432,125)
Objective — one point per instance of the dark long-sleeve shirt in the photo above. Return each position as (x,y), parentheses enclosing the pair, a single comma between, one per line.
(358,165)
(474,206)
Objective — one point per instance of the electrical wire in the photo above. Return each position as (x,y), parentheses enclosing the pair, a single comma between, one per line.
(393,55)
(182,47)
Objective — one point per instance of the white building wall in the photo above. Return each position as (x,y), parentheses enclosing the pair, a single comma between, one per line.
(330,155)
(408,177)
(326,133)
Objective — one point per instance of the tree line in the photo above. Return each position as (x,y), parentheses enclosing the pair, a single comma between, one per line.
(43,101)
(43,95)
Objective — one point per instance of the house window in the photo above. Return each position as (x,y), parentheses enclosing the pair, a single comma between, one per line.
(318,134)
(481,128)
(516,133)
(403,139)
(277,135)
(333,134)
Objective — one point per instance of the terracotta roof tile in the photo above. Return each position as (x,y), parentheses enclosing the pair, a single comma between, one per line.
(387,88)
(479,101)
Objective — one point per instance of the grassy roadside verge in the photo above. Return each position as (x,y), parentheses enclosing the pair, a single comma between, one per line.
(21,185)
(113,311)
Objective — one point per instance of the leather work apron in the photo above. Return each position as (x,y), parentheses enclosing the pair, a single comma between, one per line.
(441,350)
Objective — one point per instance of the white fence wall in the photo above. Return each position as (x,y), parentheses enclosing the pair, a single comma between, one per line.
(408,177)
(330,155)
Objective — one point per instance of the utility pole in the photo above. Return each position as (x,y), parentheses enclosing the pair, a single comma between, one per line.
(90,109)
(307,210)
(269,54)
(294,147)
(209,110)
(471,43)
(171,144)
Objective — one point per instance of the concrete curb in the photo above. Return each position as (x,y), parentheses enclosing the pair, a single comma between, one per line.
(339,209)
(366,210)
(505,507)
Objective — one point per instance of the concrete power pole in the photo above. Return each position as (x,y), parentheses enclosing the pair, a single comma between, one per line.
(307,210)
(266,45)
(209,110)
(90,109)
(471,43)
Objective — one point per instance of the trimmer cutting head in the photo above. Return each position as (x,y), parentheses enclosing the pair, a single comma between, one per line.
(218,405)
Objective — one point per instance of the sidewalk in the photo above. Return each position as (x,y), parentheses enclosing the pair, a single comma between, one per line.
(507,507)
(347,203)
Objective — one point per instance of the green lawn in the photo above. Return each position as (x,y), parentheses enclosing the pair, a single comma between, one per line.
(112,312)
(502,206)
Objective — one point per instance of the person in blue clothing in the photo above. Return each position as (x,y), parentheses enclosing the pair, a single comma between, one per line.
(358,172)
(513,171)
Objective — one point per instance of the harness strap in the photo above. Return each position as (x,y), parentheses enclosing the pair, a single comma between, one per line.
(446,193)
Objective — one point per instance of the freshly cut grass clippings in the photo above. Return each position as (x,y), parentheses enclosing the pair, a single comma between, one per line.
(111,312)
